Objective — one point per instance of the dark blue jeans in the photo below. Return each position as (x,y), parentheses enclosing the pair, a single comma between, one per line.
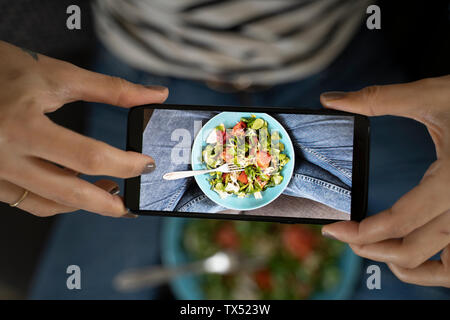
(401,151)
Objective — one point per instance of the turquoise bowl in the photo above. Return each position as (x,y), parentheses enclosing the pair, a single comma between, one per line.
(229,119)
(189,288)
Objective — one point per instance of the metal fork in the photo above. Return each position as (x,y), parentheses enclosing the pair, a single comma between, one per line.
(225,168)
(222,262)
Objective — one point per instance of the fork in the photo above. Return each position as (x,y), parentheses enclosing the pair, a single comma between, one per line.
(225,168)
(222,262)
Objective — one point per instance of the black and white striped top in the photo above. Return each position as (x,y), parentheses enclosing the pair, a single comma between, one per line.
(262,42)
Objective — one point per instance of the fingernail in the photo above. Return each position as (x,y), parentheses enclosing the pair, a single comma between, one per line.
(333,95)
(130,215)
(115,191)
(328,235)
(157,88)
(150,167)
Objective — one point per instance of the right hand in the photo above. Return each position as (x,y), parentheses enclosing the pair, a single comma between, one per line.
(31,145)
(417,226)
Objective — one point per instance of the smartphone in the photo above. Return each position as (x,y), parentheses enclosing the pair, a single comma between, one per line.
(250,163)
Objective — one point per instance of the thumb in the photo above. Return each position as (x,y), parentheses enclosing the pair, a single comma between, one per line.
(96,87)
(407,100)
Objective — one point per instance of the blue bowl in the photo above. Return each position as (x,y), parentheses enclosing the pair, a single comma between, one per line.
(188,287)
(229,119)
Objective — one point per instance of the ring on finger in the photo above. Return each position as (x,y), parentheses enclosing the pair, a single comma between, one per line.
(15,204)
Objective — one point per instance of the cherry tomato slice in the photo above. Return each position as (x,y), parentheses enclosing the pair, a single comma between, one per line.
(243,177)
(238,129)
(227,237)
(299,241)
(264,279)
(263,159)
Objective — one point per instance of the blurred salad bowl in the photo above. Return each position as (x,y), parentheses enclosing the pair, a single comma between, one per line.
(253,141)
(298,262)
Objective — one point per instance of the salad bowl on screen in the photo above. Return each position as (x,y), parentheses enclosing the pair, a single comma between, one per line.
(256,143)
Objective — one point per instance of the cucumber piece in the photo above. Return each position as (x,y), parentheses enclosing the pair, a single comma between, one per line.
(275,135)
(277,179)
(258,124)
(220,186)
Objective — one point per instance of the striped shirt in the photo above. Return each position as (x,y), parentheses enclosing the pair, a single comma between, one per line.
(257,42)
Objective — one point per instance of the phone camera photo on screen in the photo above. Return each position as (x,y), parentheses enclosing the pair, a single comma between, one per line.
(250,163)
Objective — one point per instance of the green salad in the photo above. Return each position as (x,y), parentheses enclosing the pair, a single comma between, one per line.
(298,261)
(250,145)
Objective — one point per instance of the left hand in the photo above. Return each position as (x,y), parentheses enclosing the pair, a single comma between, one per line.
(418,225)
(40,160)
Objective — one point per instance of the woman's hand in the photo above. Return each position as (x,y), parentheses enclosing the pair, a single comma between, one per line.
(31,145)
(418,224)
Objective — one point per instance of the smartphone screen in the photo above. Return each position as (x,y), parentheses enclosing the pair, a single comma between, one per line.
(250,163)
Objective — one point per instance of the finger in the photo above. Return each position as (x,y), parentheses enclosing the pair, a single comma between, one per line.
(53,183)
(75,151)
(33,203)
(412,250)
(95,87)
(430,273)
(39,206)
(397,99)
(419,206)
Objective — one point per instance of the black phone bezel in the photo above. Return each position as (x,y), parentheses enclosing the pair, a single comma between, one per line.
(360,173)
